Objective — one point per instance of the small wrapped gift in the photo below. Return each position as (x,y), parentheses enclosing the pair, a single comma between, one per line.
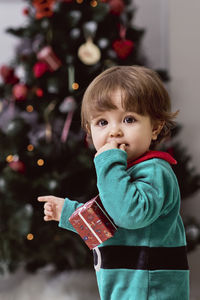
(47,55)
(92,223)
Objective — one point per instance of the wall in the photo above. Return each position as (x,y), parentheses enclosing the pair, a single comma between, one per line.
(155,42)
(10,16)
(184,49)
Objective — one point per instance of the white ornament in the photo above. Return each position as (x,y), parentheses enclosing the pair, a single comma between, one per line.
(89,53)
(21,74)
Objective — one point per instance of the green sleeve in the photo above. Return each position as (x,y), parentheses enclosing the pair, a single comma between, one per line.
(134,199)
(68,209)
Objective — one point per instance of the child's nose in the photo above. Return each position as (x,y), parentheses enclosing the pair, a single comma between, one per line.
(116,132)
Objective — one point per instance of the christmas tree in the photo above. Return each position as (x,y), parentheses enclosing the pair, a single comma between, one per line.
(62,47)
(189,182)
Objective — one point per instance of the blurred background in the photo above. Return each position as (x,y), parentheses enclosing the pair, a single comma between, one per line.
(49,52)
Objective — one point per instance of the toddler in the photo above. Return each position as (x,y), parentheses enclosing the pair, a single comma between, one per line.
(125,112)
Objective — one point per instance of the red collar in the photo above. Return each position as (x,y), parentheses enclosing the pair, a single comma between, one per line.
(153,154)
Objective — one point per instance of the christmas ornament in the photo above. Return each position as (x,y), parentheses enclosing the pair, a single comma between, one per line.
(89,29)
(25,11)
(75,33)
(39,92)
(48,56)
(44,8)
(52,185)
(17,127)
(40,68)
(17,166)
(112,55)
(116,7)
(103,43)
(89,53)
(8,75)
(74,16)
(20,92)
(45,24)
(68,105)
(20,72)
(123,47)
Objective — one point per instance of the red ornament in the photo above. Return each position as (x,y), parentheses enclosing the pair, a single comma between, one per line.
(44,8)
(20,91)
(116,7)
(39,92)
(40,68)
(17,166)
(123,48)
(8,75)
(48,56)
(25,11)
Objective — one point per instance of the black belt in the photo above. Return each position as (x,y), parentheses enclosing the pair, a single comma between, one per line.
(141,258)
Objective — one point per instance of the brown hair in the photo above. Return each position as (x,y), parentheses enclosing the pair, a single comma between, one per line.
(142,92)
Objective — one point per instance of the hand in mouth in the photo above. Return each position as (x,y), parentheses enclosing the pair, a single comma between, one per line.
(122,146)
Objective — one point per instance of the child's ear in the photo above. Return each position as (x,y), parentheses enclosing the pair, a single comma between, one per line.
(89,139)
(157,127)
(87,128)
(88,136)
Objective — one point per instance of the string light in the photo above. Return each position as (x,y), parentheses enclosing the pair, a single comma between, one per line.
(9,158)
(79,1)
(93,3)
(29,108)
(75,86)
(30,147)
(40,162)
(30,237)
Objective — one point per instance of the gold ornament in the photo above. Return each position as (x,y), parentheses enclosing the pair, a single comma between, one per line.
(89,53)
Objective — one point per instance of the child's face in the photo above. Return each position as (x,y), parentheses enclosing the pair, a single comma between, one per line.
(124,127)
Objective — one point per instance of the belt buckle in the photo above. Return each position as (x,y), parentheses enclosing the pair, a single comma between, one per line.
(97,266)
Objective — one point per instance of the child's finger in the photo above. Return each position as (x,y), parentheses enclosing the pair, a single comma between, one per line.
(48,218)
(48,213)
(45,198)
(122,147)
(48,206)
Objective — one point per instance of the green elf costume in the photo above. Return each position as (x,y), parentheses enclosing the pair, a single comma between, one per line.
(146,258)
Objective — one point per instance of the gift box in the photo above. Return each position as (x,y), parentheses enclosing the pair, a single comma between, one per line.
(47,55)
(92,223)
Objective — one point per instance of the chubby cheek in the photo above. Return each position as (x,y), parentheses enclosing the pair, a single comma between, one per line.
(97,140)
(96,144)
(141,141)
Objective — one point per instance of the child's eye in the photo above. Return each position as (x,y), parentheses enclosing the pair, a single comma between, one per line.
(129,119)
(102,122)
